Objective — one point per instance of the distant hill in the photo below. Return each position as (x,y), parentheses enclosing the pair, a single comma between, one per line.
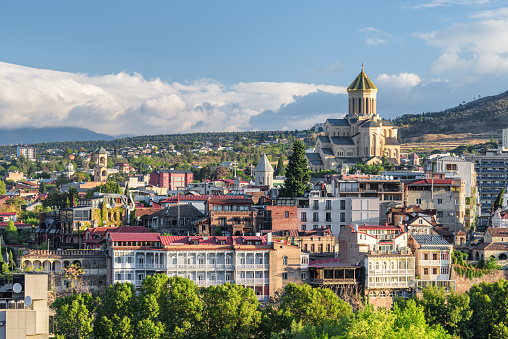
(485,116)
(48,134)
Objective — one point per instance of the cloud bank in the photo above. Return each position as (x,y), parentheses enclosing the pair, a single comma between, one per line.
(129,104)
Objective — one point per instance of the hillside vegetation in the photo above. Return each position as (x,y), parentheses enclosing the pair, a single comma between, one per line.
(482,118)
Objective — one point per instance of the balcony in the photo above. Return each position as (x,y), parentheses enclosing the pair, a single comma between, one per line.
(382,272)
(263,298)
(253,267)
(201,267)
(392,284)
(252,281)
(150,266)
(434,262)
(333,281)
(448,285)
(213,282)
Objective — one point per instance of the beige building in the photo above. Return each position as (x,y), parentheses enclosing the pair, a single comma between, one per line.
(263,173)
(362,136)
(446,196)
(25,313)
(433,261)
(100,171)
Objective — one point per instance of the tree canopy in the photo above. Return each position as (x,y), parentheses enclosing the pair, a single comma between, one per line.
(297,172)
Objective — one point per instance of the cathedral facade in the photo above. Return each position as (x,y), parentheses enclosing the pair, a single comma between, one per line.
(362,136)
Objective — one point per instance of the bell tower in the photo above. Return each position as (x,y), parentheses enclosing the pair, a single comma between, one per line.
(362,95)
(100,171)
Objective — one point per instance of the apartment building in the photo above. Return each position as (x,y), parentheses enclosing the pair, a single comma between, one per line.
(172,180)
(492,171)
(334,212)
(231,216)
(433,256)
(252,261)
(459,167)
(386,188)
(446,196)
(27,152)
(388,261)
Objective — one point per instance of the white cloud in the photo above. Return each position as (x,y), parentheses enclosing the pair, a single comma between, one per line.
(374,41)
(404,81)
(474,48)
(129,104)
(491,14)
(376,36)
(445,3)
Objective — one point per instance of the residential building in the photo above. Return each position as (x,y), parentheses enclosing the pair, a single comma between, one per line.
(197,201)
(334,212)
(94,264)
(433,261)
(15,176)
(175,219)
(383,251)
(231,216)
(277,217)
(492,171)
(446,196)
(252,261)
(318,243)
(343,278)
(362,136)
(171,179)
(458,167)
(24,310)
(26,151)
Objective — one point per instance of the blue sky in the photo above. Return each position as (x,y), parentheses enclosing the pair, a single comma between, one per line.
(132,67)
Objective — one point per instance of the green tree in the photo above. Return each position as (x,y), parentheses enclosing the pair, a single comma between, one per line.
(297,172)
(74,316)
(184,311)
(498,203)
(230,311)
(42,188)
(3,189)
(11,233)
(126,192)
(280,170)
(116,314)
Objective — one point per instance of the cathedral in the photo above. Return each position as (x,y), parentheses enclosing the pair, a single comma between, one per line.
(362,136)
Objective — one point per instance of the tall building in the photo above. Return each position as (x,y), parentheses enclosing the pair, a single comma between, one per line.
(100,171)
(362,136)
(27,152)
(505,139)
(263,173)
(172,179)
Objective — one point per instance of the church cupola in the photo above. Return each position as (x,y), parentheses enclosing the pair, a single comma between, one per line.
(362,96)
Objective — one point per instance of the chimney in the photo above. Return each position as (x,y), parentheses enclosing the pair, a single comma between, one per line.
(269,238)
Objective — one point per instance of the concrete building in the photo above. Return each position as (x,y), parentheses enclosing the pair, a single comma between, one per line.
(433,261)
(24,311)
(27,152)
(252,261)
(361,137)
(334,212)
(231,216)
(173,180)
(504,140)
(175,219)
(446,196)
(458,167)
(492,171)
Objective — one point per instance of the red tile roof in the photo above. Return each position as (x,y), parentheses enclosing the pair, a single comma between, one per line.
(5,214)
(200,197)
(431,181)
(377,227)
(135,236)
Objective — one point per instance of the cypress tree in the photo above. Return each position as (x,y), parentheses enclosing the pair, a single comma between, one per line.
(499,201)
(297,172)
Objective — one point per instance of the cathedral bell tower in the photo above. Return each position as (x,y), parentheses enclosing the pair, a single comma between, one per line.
(362,97)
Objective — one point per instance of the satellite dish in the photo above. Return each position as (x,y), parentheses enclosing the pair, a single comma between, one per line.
(17,288)
(28,300)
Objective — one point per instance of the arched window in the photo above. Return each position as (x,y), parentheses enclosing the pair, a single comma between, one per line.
(373,295)
(382,294)
(284,261)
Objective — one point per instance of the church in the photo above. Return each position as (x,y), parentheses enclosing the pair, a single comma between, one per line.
(362,136)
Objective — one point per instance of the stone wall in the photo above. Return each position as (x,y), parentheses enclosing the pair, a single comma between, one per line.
(463,284)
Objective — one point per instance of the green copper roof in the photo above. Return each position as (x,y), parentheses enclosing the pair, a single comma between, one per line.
(362,82)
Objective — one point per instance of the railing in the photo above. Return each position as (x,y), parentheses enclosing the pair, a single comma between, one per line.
(448,285)
(251,281)
(253,267)
(401,284)
(437,262)
(201,266)
(263,298)
(380,272)
(213,282)
(332,281)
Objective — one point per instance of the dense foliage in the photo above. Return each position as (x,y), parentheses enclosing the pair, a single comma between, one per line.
(297,173)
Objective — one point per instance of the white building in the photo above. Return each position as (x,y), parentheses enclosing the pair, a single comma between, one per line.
(334,212)
(27,152)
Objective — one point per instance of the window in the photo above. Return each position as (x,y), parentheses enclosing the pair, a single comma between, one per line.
(284,261)
(315,227)
(342,217)
(439,201)
(434,256)
(425,256)
(444,270)
(445,256)
(284,276)
(426,271)
(328,217)
(392,294)
(304,275)
(303,216)
(343,205)
(328,248)
(382,294)
(372,295)
(418,201)
(304,227)
(315,217)
(434,271)
(328,204)
(312,248)
(287,214)
(316,204)
(439,214)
